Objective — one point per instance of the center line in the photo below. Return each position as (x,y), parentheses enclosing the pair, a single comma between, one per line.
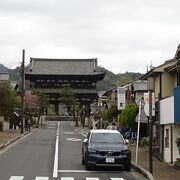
(55,172)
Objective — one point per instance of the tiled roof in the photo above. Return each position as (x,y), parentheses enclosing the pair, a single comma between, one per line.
(63,66)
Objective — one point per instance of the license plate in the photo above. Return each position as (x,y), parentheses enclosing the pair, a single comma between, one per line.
(109,160)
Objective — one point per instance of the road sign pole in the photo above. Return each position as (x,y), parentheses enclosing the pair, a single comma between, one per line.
(137,145)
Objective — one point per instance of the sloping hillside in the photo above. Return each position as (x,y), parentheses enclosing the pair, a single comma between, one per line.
(107,83)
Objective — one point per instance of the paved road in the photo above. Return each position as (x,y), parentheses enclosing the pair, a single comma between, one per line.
(53,152)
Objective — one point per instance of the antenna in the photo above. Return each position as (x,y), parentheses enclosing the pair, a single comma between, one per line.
(151,65)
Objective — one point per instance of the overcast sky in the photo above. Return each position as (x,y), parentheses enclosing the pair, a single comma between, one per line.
(125,35)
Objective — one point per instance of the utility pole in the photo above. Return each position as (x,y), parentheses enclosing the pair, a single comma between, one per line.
(150,89)
(150,133)
(100,116)
(22,90)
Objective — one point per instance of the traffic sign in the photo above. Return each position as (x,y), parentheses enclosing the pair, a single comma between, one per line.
(143,118)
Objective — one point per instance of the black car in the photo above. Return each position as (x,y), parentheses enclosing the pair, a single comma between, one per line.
(106,148)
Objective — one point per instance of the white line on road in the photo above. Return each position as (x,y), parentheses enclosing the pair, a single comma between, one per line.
(55,171)
(41,178)
(117,178)
(84,171)
(16,178)
(67,178)
(92,178)
(72,171)
(81,133)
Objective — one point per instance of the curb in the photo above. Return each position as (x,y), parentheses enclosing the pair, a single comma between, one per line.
(12,140)
(140,169)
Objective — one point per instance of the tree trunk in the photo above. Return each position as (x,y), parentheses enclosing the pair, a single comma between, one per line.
(39,116)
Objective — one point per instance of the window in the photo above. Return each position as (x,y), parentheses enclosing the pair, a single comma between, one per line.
(106,138)
(167,138)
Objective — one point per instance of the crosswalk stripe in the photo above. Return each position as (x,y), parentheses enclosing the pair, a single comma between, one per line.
(62,178)
(41,178)
(16,178)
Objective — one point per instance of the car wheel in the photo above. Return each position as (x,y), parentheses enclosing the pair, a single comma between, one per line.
(83,161)
(88,167)
(128,168)
(86,164)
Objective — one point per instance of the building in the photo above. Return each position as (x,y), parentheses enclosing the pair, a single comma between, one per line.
(48,75)
(167,102)
(4,76)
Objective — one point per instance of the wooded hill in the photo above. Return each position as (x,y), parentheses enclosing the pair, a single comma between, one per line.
(111,80)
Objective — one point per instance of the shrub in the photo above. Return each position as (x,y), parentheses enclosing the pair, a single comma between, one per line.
(144,141)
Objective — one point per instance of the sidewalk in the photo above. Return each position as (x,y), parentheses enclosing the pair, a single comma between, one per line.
(9,135)
(161,170)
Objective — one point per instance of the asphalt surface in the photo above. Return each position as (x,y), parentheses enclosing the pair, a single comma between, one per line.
(70,159)
(38,156)
(30,157)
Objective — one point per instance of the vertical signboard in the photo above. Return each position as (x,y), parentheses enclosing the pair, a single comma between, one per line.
(121,98)
(146,106)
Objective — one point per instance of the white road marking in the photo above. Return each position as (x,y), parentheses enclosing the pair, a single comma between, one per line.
(84,171)
(81,133)
(41,178)
(69,133)
(73,139)
(50,127)
(62,178)
(55,171)
(16,178)
(72,171)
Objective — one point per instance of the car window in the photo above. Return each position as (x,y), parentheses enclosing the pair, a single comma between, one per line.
(106,138)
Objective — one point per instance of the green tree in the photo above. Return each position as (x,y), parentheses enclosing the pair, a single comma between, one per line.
(110,113)
(43,102)
(67,98)
(128,116)
(8,99)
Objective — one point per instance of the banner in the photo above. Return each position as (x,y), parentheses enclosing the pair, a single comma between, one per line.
(121,103)
(146,106)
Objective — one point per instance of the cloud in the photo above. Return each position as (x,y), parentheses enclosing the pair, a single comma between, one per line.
(129,34)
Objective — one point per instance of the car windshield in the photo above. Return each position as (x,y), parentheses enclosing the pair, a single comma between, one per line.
(106,138)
